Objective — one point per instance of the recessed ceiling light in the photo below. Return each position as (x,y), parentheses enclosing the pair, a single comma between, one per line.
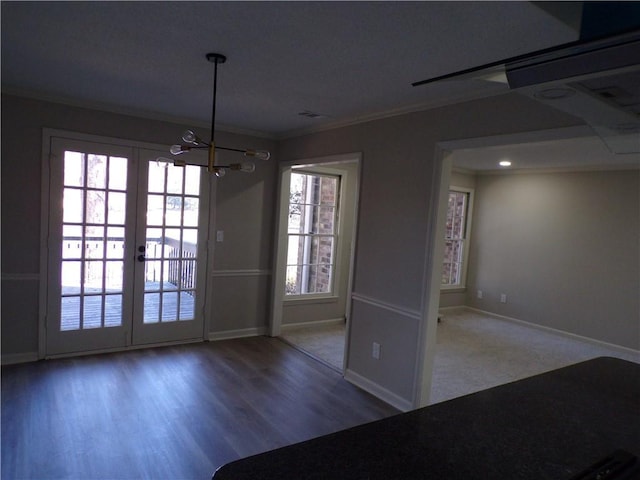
(505,163)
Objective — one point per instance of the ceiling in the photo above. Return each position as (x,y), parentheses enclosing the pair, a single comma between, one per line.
(292,67)
(346,61)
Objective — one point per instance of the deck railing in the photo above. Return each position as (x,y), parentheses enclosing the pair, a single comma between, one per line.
(180,266)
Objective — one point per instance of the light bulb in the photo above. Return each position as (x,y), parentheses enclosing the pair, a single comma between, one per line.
(261,154)
(190,137)
(164,162)
(220,172)
(178,149)
(246,167)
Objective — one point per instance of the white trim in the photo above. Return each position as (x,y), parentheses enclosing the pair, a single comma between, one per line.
(241,273)
(281,237)
(124,349)
(432,276)
(20,277)
(240,333)
(293,300)
(377,390)
(405,312)
(316,323)
(563,333)
(14,358)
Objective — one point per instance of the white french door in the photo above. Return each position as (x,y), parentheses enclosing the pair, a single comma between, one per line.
(126,248)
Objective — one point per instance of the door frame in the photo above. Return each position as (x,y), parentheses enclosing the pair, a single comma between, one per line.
(444,154)
(47,135)
(280,242)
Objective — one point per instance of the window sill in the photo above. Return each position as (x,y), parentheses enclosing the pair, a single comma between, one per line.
(307,299)
(453,289)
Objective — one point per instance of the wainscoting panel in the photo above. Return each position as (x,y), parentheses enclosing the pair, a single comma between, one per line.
(395,329)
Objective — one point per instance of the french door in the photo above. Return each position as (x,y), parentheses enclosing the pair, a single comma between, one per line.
(126,248)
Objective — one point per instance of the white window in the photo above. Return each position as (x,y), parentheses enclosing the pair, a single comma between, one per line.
(312,235)
(457,232)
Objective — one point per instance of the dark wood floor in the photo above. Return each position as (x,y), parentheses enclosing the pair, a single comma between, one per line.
(170,413)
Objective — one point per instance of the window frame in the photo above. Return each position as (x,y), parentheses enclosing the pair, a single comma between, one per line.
(468,220)
(330,294)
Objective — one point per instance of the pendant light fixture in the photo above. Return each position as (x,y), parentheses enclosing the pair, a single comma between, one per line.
(192,141)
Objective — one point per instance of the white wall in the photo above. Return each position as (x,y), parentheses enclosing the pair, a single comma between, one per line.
(564,249)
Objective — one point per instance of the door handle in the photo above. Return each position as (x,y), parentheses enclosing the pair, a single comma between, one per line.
(141,258)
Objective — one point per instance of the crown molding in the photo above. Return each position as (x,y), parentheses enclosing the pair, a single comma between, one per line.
(132,112)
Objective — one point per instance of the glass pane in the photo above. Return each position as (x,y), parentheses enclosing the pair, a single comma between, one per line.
(117,173)
(189,242)
(457,228)
(321,250)
(192,180)
(70,276)
(96,206)
(295,248)
(173,214)
(94,242)
(187,305)
(188,274)
(72,205)
(92,314)
(174,179)
(113,311)
(446,274)
(172,243)
(156,176)
(115,242)
(93,276)
(71,241)
(114,276)
(191,212)
(155,210)
(96,171)
(171,274)
(297,188)
(73,169)
(70,313)
(295,219)
(153,276)
(322,220)
(328,191)
(292,285)
(117,208)
(169,306)
(151,308)
(319,279)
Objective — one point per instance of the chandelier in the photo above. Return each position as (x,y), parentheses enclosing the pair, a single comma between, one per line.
(193,142)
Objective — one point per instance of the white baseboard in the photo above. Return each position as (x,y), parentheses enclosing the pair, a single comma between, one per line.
(575,336)
(382,393)
(317,323)
(13,358)
(240,333)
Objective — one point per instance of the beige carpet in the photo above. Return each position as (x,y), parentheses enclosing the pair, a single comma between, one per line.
(473,351)
(324,343)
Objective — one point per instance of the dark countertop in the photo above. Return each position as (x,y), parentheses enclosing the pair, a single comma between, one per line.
(550,426)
